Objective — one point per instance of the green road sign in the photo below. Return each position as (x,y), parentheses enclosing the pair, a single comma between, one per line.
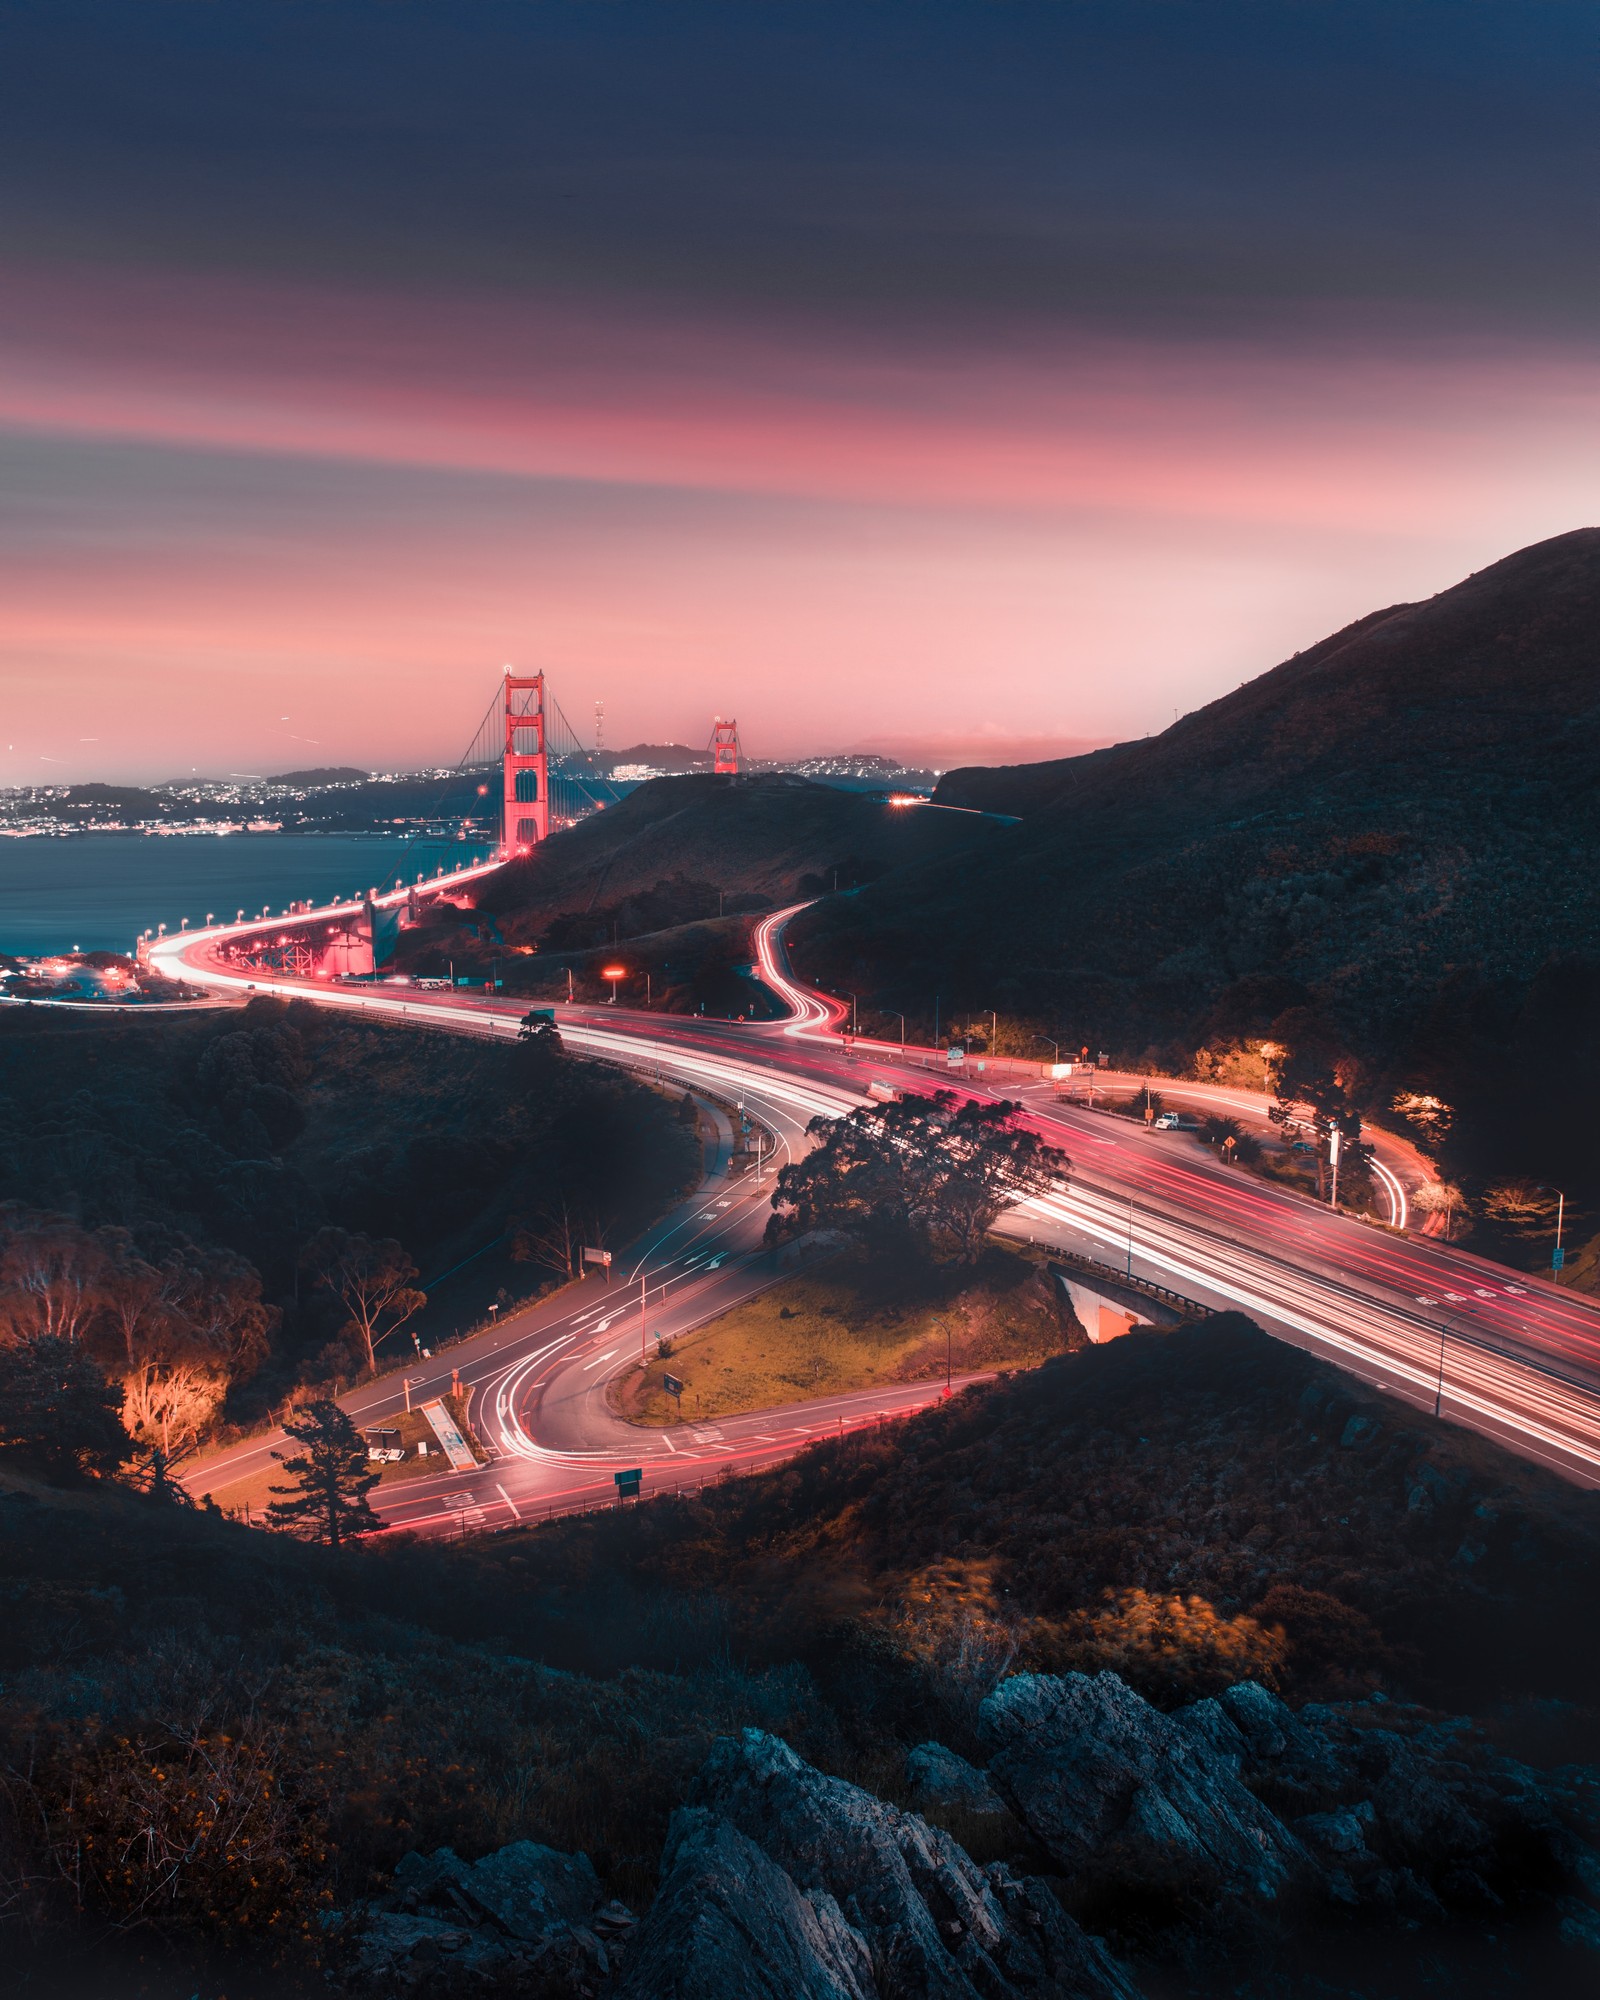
(628,1483)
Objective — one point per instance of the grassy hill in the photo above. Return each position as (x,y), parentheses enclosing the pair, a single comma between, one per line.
(1388,842)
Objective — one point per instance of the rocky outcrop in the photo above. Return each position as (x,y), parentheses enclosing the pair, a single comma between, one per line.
(525,1916)
(938,1777)
(1119,1794)
(1239,1804)
(778,1880)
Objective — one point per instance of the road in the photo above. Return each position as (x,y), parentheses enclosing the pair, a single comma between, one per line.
(1512,1356)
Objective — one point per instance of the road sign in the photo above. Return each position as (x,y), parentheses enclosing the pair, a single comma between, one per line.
(955,1057)
(672,1385)
(596,1256)
(628,1483)
(1558,1257)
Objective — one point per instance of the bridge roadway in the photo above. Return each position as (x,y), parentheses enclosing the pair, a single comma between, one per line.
(1509,1355)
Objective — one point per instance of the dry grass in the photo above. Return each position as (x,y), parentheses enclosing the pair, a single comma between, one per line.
(855,1325)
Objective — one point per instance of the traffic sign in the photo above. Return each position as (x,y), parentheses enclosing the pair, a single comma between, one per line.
(1558,1256)
(628,1483)
(672,1385)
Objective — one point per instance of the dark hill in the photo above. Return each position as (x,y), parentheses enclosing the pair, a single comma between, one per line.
(322,774)
(1392,836)
(759,841)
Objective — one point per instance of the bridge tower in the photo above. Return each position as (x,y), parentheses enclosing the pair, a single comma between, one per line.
(525,813)
(724,748)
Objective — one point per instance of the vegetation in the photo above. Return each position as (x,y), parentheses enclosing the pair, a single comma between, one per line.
(214,1213)
(328,1502)
(915,1175)
(859,1322)
(1185,1508)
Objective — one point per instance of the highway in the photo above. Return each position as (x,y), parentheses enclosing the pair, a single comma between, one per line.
(1512,1356)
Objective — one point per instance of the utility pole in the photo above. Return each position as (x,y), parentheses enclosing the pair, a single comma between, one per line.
(643,1356)
(569,985)
(1335,1144)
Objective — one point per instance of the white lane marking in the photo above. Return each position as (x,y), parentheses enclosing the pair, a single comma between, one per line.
(610,1354)
(506,1497)
(708,1436)
(666,1439)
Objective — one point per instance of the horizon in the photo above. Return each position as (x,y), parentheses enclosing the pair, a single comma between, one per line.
(1026,374)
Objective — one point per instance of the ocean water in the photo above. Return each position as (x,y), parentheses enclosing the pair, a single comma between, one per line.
(98,891)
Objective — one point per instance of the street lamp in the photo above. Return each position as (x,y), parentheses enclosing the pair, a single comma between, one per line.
(613,973)
(1558,1256)
(1055,1048)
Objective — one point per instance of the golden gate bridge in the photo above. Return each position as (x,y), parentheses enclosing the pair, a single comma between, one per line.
(524,775)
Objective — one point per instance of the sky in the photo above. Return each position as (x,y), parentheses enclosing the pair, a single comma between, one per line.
(974,380)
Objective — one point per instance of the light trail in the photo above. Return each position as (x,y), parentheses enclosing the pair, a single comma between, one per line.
(1526,1370)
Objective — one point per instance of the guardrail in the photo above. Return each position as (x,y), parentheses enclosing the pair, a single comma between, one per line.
(1146,1287)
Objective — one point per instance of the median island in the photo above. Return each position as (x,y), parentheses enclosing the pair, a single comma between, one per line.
(855,1323)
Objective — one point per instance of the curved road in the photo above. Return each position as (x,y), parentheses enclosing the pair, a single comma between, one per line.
(1509,1355)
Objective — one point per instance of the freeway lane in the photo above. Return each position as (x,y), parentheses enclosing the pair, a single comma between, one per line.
(1521,1358)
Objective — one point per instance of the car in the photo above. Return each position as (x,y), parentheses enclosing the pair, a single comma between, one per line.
(1174,1121)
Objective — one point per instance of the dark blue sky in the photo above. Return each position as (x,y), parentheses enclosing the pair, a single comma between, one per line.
(1104,353)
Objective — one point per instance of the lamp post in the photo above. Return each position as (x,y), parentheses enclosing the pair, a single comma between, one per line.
(1055,1048)
(1558,1256)
(613,973)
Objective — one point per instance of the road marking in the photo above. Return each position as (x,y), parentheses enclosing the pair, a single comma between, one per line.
(506,1497)
(709,1436)
(610,1355)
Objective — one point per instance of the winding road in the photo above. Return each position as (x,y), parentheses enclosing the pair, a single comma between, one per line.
(1509,1355)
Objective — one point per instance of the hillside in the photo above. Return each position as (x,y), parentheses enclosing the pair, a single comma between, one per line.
(1181,1512)
(663,855)
(1386,845)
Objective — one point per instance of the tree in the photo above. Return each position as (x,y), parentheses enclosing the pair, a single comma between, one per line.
(153,1477)
(52,1273)
(540,1034)
(1522,1209)
(329,1503)
(917,1172)
(57,1410)
(373,1279)
(1440,1198)
(186,1331)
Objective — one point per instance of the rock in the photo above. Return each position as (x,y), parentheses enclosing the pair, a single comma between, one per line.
(405,1954)
(781,1881)
(1360,1430)
(729,1924)
(940,1778)
(1226,1806)
(1122,1795)
(522,1909)
(1341,1833)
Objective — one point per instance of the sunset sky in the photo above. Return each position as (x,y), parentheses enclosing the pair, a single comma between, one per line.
(979,378)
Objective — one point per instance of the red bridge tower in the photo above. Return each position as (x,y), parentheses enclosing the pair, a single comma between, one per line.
(724,748)
(525,817)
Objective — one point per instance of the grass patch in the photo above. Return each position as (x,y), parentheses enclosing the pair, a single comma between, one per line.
(857,1323)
